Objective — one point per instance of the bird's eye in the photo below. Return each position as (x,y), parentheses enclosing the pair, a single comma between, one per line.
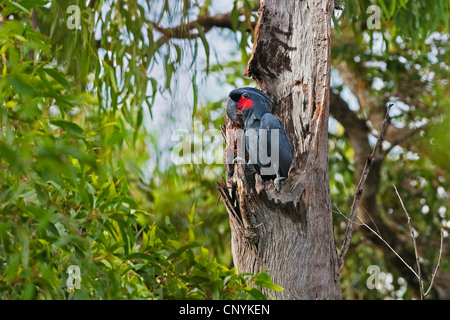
(245,96)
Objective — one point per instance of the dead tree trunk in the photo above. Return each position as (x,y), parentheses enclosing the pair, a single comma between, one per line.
(289,234)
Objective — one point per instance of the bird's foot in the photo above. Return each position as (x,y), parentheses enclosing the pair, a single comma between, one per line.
(277,183)
(239,160)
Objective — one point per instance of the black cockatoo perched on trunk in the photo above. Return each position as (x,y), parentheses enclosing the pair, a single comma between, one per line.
(266,141)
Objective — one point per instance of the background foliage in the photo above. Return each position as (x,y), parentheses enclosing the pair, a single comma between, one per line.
(80,121)
(72,192)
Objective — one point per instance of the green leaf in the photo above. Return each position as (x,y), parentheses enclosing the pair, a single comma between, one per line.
(139,118)
(141,255)
(255,293)
(234,16)
(181,250)
(125,236)
(10,155)
(19,6)
(154,84)
(106,263)
(195,91)
(30,4)
(58,77)
(191,215)
(264,280)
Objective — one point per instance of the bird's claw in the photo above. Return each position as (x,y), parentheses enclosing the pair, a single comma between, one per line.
(277,183)
(239,160)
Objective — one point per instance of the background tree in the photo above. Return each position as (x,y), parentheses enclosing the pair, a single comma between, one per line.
(403,62)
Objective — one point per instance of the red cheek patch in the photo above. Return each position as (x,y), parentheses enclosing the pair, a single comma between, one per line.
(244,103)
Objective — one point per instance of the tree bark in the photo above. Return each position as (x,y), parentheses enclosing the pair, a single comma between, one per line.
(289,234)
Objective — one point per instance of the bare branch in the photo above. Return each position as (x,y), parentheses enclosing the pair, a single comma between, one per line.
(371,219)
(184,31)
(33,20)
(411,230)
(359,190)
(437,265)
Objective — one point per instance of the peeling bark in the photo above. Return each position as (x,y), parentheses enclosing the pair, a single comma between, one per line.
(289,234)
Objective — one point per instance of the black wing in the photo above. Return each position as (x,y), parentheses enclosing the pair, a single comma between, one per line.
(270,122)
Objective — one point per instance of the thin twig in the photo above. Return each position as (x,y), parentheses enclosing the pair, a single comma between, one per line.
(416,253)
(371,219)
(359,190)
(437,265)
(34,20)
